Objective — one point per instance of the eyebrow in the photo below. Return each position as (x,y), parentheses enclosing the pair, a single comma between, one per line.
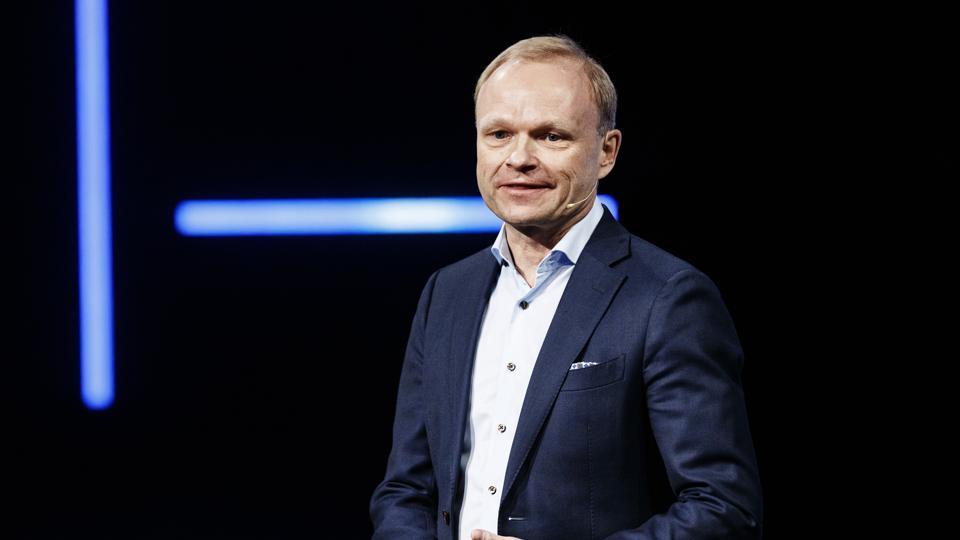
(545,126)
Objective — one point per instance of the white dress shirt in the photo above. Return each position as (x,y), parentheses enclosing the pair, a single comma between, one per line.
(514,326)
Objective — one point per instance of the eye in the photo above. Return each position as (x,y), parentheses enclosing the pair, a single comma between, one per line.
(553,137)
(500,134)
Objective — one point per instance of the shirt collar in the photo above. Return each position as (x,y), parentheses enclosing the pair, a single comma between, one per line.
(569,247)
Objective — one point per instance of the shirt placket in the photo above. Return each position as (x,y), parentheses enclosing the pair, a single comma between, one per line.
(513,371)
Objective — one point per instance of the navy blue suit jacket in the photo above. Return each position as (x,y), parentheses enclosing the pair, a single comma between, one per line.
(664,407)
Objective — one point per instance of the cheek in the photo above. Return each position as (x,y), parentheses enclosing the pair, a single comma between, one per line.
(486,164)
(484,179)
(580,168)
(482,170)
(563,168)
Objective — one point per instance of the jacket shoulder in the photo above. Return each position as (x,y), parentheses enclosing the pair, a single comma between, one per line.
(644,262)
(654,264)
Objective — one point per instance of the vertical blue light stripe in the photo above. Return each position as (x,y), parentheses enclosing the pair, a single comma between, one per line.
(282,217)
(93,196)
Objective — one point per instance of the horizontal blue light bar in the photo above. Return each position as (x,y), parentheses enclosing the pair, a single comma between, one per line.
(340,216)
(93,204)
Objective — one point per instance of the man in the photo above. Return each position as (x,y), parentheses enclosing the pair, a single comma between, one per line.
(552,380)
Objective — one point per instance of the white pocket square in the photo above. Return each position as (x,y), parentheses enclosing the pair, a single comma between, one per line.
(581,365)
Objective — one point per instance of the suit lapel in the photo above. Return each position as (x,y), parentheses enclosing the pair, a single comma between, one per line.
(592,286)
(473,295)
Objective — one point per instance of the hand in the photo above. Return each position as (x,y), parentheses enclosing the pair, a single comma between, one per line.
(481,534)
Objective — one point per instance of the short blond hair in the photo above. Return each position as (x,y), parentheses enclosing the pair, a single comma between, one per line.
(545,48)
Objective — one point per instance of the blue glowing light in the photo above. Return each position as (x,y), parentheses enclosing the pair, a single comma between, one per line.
(93,202)
(206,218)
(340,216)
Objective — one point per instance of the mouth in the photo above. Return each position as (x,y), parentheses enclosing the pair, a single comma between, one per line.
(523,188)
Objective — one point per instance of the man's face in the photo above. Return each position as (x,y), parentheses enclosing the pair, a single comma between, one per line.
(537,144)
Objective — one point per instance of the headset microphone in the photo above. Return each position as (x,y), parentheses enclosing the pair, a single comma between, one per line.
(571,205)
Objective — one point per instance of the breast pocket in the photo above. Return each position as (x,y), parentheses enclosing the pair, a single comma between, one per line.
(602,374)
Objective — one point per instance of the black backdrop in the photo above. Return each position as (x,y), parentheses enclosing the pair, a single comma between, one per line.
(256,376)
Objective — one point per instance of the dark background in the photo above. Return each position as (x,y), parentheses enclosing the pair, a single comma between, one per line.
(256,376)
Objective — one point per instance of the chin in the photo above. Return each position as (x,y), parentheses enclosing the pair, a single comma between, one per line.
(519,217)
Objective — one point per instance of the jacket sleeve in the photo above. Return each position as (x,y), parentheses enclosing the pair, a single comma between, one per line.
(694,395)
(404,504)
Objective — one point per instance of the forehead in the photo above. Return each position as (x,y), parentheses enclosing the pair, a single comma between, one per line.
(555,90)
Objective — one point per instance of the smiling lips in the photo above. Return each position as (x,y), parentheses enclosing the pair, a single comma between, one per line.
(519,186)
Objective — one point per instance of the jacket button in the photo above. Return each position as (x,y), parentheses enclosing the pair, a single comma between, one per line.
(446,517)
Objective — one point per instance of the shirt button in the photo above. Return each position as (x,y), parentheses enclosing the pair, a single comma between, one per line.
(501,428)
(492,489)
(511,366)
(524,304)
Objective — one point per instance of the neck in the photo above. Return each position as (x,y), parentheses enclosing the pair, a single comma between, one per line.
(530,244)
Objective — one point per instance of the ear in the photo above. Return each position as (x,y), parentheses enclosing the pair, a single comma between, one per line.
(609,147)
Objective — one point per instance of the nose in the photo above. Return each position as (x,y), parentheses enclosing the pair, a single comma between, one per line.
(521,158)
